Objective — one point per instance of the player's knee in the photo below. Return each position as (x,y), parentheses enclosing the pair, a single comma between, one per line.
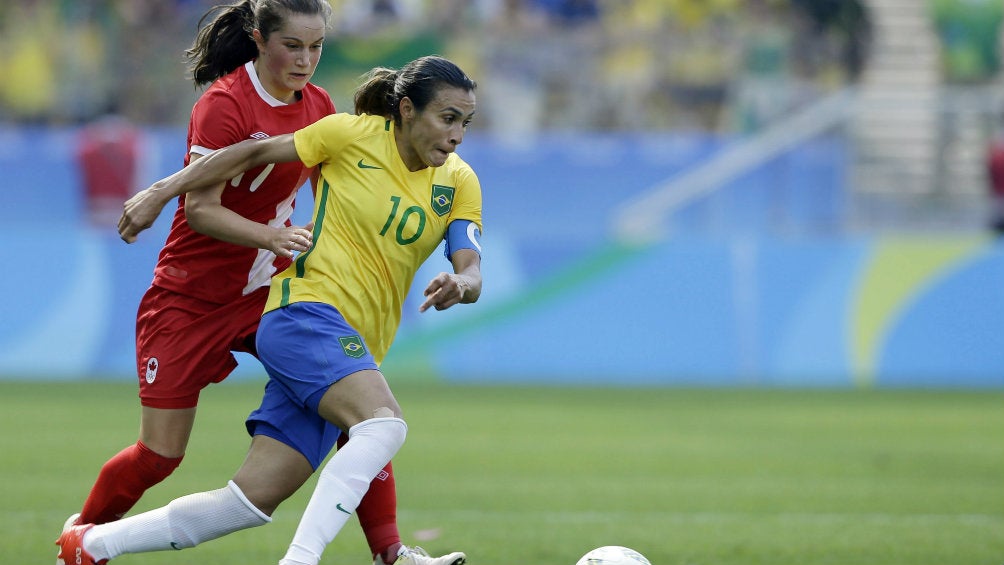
(389,431)
(205,516)
(266,489)
(156,467)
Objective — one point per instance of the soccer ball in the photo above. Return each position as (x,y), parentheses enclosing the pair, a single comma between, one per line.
(613,555)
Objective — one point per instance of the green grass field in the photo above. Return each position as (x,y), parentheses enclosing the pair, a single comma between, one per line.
(538,476)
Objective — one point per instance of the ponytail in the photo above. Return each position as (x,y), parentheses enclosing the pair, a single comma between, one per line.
(224,44)
(375,96)
(383,89)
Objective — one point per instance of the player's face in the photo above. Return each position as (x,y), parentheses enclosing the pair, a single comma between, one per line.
(287,60)
(435,132)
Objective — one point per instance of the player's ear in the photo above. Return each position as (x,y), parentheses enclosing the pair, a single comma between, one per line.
(407,109)
(259,39)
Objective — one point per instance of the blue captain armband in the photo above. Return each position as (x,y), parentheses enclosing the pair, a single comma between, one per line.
(462,234)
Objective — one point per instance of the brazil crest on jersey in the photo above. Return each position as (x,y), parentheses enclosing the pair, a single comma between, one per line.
(375,223)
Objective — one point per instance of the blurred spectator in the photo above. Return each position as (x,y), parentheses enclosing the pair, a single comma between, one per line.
(570,13)
(514,65)
(29,42)
(763,89)
(701,59)
(634,39)
(553,64)
(970,38)
(836,40)
(107,156)
(571,54)
(695,14)
(995,176)
(453,18)
(377,17)
(148,58)
(83,51)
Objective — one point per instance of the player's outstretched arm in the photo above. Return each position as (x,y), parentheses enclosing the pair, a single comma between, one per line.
(141,210)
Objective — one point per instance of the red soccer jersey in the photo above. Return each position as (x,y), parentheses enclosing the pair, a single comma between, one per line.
(234,108)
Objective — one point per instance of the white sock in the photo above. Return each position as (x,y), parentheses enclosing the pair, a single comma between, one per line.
(342,484)
(184,522)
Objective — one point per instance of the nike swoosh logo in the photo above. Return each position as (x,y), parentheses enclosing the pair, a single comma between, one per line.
(174,545)
(362,165)
(339,507)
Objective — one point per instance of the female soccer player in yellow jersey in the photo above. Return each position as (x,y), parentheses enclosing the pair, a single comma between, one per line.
(391,190)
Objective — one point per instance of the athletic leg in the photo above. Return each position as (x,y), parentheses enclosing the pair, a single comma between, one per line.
(123,479)
(363,404)
(270,474)
(182,345)
(377,513)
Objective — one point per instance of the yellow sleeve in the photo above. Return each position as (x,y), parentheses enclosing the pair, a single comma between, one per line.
(468,199)
(322,140)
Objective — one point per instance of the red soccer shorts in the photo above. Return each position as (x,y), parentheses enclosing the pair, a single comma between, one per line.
(183,344)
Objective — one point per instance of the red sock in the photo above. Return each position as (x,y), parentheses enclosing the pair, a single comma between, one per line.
(123,480)
(377,513)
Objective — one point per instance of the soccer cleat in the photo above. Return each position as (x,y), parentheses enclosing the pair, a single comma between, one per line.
(418,556)
(73,520)
(69,523)
(71,547)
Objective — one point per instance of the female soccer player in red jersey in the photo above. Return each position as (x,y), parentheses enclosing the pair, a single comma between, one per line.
(211,279)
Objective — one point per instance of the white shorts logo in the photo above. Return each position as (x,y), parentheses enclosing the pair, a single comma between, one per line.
(151,370)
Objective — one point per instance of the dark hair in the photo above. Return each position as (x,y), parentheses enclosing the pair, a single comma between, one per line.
(382,89)
(226,42)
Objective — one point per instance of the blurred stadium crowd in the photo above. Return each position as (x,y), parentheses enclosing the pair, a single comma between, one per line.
(928,111)
(543,64)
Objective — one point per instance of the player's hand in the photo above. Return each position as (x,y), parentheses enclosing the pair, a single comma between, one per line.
(139,213)
(292,239)
(443,291)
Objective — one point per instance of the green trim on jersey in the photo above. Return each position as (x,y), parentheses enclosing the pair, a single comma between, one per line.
(301,261)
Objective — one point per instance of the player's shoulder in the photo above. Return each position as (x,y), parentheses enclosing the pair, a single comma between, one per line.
(366,122)
(456,167)
(457,162)
(355,127)
(314,91)
(233,88)
(235,82)
(316,95)
(218,104)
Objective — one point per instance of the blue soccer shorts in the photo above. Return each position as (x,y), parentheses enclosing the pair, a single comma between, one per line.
(305,348)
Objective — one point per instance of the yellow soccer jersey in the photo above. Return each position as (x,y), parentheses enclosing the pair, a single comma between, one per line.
(375,223)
